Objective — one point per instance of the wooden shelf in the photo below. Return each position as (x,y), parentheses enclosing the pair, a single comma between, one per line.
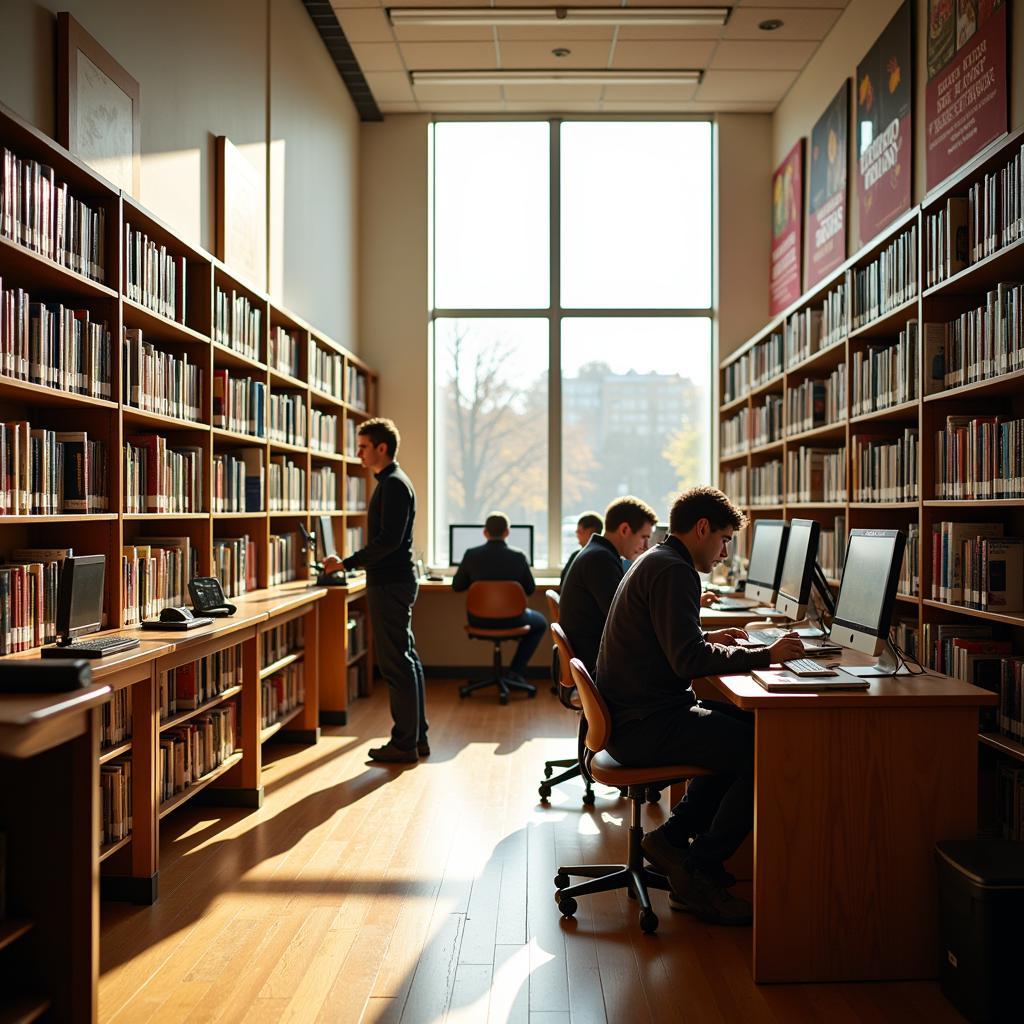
(1012,619)
(356,658)
(157,327)
(279,379)
(109,753)
(827,431)
(318,397)
(23,1009)
(825,358)
(287,446)
(815,504)
(129,414)
(289,513)
(1005,384)
(1003,744)
(326,456)
(225,358)
(183,716)
(766,449)
(12,929)
(239,515)
(765,508)
(912,598)
(94,517)
(888,323)
(732,405)
(130,517)
(770,386)
(237,437)
(893,412)
(883,504)
(39,394)
(276,666)
(42,277)
(186,794)
(735,456)
(277,726)
(983,275)
(969,503)
(111,848)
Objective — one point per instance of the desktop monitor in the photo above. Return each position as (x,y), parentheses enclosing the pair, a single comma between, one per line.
(324,538)
(658,534)
(867,593)
(468,535)
(80,596)
(766,554)
(797,575)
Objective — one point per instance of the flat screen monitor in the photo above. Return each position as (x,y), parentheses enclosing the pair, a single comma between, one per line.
(324,538)
(80,596)
(658,534)
(798,568)
(468,535)
(867,593)
(766,554)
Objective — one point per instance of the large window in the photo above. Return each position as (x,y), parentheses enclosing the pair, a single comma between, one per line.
(571,352)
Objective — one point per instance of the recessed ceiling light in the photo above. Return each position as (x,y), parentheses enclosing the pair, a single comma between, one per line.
(560,51)
(546,16)
(770,25)
(602,76)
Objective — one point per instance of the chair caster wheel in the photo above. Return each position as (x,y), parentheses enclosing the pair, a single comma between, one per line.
(463,694)
(561,880)
(653,796)
(548,771)
(545,792)
(589,798)
(648,922)
(503,699)
(567,907)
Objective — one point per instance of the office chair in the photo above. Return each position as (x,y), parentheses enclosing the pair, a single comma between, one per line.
(496,599)
(554,598)
(569,699)
(602,767)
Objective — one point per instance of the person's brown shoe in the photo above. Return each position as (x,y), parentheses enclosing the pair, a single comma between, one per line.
(700,895)
(423,748)
(390,754)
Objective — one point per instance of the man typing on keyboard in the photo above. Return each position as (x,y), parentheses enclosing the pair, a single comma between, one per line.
(652,649)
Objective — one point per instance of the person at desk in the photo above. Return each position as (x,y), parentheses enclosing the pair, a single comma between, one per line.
(652,649)
(589,524)
(391,590)
(588,590)
(495,560)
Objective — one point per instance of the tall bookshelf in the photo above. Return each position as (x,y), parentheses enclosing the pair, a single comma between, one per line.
(740,458)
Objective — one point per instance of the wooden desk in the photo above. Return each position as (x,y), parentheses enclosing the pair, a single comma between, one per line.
(852,790)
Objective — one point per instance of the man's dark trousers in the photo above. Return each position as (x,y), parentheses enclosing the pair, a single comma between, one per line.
(395,646)
(524,650)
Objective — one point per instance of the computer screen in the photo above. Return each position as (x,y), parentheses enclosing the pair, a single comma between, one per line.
(324,538)
(658,534)
(798,568)
(468,535)
(80,597)
(766,554)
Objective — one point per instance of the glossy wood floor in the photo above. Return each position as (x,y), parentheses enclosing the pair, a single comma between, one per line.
(424,895)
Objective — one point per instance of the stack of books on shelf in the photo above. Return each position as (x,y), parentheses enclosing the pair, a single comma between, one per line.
(832,547)
(907,637)
(284,352)
(238,481)
(979,457)
(1010,717)
(816,474)
(40,213)
(735,382)
(995,209)
(53,345)
(286,419)
(323,489)
(161,479)
(116,719)
(280,641)
(816,403)
(974,565)
(283,552)
(939,638)
(886,375)
(355,493)
(49,472)
(28,598)
(234,562)
(239,403)
(356,390)
(160,382)
(154,277)
(885,468)
(198,682)
(323,432)
(355,538)
(286,485)
(115,800)
(766,360)
(802,333)
(193,749)
(351,437)
(910,570)
(282,692)
(734,483)
(835,314)
(154,575)
(237,324)
(325,370)
(766,421)
(736,433)
(887,281)
(766,483)
(947,241)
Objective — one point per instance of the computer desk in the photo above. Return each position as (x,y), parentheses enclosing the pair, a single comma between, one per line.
(851,792)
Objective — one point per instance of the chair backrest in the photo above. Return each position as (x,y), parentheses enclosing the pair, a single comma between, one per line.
(496,599)
(554,597)
(595,711)
(565,655)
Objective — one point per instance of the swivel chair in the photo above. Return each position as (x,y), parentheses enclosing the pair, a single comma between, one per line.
(498,600)
(602,767)
(554,598)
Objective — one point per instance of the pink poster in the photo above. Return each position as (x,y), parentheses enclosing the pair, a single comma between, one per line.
(826,219)
(787,230)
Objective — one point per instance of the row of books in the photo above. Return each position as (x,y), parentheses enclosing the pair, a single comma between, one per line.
(816,474)
(357,389)
(190,686)
(835,313)
(766,421)
(942,638)
(356,626)
(282,558)
(239,403)
(734,483)
(325,370)
(234,564)
(886,375)
(885,468)
(832,547)
(736,433)
(237,324)
(49,472)
(355,539)
(282,693)
(888,281)
(816,403)
(910,570)
(323,431)
(194,749)
(39,212)
(280,641)
(947,240)
(158,478)
(116,719)
(53,345)
(755,367)
(974,565)
(28,598)
(286,418)
(1011,802)
(161,382)
(802,335)
(286,485)
(115,800)
(237,482)
(284,351)
(979,457)
(154,575)
(907,637)
(355,494)
(153,277)
(323,489)
(765,483)
(351,436)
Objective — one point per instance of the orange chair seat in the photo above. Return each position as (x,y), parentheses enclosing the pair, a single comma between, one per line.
(604,768)
(476,633)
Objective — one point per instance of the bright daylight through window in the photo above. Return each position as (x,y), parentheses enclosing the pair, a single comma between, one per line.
(571,355)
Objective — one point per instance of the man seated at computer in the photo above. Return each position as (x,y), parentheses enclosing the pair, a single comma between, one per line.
(495,560)
(589,524)
(652,649)
(598,570)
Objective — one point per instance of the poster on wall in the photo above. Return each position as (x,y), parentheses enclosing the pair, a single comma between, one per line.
(787,229)
(826,221)
(965,98)
(884,131)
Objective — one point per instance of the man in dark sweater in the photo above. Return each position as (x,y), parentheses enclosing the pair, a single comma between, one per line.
(589,523)
(495,560)
(653,647)
(391,589)
(588,590)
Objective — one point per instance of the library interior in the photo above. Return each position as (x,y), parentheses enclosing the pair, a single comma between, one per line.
(511,513)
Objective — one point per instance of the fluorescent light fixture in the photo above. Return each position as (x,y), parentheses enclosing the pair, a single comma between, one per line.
(445,17)
(574,77)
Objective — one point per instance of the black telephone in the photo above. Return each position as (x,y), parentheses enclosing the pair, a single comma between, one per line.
(208,597)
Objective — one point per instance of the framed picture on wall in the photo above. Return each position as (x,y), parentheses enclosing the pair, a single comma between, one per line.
(97,106)
(241,214)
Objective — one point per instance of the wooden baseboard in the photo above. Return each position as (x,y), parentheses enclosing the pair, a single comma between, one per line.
(126,889)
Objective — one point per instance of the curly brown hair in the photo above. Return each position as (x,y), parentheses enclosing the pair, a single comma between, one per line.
(631,511)
(704,503)
(381,430)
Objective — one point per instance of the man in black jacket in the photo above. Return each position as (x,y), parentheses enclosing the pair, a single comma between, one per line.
(391,589)
(495,560)
(588,590)
(653,647)
(589,523)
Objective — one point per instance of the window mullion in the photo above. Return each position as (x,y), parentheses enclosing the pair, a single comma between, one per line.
(555,349)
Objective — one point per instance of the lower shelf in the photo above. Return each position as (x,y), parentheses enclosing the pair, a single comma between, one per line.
(23,1009)
(1003,744)
(13,929)
(112,848)
(277,726)
(186,794)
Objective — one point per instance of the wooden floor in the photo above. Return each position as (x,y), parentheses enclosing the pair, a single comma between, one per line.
(424,895)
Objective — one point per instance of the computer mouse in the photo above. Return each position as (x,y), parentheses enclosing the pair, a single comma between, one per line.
(176,614)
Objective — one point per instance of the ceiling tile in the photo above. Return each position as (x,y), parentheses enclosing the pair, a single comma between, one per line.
(388,86)
(797,23)
(378,57)
(538,55)
(840,4)
(399,108)
(732,107)
(649,93)
(425,94)
(436,3)
(465,107)
(552,94)
(756,86)
(436,34)
(661,33)
(560,35)
(767,55)
(341,4)
(449,56)
(669,54)
(362,25)
(539,107)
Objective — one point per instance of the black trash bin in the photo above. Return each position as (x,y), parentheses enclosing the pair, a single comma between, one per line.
(981,888)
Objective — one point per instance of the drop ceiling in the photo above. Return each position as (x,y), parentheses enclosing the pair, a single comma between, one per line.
(744,68)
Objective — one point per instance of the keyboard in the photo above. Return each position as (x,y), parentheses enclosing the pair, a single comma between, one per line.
(730,606)
(808,667)
(764,636)
(87,647)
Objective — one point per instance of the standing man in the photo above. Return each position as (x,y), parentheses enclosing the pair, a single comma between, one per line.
(391,589)
(589,524)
